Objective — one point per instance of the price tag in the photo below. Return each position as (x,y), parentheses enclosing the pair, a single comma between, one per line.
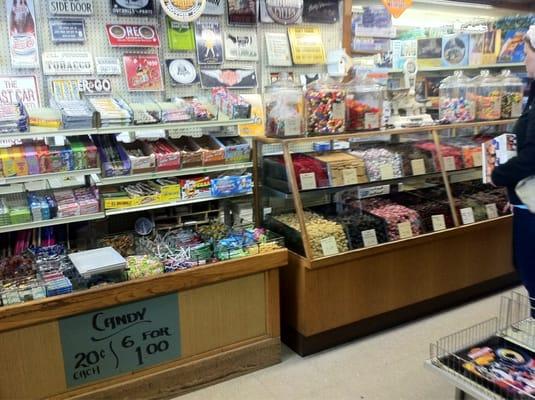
(387,172)
(329,246)
(492,211)
(369,238)
(308,181)
(350,176)
(439,223)
(418,167)
(292,127)
(371,120)
(405,230)
(467,215)
(449,163)
(339,111)
(267,211)
(3,181)
(477,159)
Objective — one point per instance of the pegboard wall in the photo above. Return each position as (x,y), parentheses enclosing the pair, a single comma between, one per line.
(97,45)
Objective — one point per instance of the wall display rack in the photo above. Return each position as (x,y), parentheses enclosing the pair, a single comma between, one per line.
(341,284)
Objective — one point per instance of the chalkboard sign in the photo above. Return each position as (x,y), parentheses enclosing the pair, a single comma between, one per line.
(120,339)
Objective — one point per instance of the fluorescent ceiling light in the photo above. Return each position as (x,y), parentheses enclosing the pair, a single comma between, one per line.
(450,3)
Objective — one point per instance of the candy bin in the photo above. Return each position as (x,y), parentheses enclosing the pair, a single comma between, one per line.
(512,94)
(457,99)
(364,105)
(325,107)
(284,109)
(489,97)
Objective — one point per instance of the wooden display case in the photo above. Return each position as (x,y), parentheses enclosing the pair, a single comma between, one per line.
(331,299)
(152,338)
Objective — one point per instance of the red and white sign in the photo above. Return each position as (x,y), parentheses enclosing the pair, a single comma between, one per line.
(22,34)
(128,35)
(397,7)
(15,88)
(143,72)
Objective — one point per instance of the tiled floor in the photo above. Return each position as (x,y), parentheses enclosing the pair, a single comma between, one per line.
(388,365)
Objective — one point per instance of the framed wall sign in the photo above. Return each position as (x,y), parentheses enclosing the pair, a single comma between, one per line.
(15,88)
(70,7)
(133,8)
(67,30)
(22,31)
(67,63)
(130,35)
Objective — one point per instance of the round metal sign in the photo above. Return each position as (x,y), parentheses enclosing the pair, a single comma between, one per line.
(183,10)
(182,71)
(285,12)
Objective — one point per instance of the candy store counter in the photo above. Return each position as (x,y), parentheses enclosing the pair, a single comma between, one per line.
(331,300)
(98,343)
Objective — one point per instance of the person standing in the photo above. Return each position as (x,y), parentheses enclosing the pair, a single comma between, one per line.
(520,167)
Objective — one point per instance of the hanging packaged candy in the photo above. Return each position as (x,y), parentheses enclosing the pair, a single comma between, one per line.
(325,107)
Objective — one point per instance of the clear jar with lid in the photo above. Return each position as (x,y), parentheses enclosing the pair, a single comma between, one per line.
(284,109)
(489,96)
(364,104)
(457,99)
(325,107)
(512,94)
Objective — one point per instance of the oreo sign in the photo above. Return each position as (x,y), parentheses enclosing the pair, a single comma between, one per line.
(285,11)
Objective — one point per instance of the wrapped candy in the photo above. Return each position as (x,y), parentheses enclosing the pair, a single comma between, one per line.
(325,107)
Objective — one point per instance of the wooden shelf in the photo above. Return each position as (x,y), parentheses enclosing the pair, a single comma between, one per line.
(52,308)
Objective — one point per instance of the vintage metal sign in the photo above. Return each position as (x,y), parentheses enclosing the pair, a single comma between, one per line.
(67,30)
(129,35)
(67,63)
(285,11)
(22,32)
(133,8)
(183,10)
(70,7)
(23,88)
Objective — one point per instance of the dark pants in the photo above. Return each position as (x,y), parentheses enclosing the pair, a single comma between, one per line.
(524,250)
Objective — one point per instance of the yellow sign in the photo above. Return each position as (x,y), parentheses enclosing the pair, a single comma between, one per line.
(397,7)
(307,45)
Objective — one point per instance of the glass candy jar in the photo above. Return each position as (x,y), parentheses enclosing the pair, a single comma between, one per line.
(489,97)
(325,107)
(512,95)
(364,105)
(284,109)
(457,99)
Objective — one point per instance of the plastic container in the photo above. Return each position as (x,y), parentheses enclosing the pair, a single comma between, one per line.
(457,97)
(284,109)
(364,105)
(512,94)
(325,107)
(489,97)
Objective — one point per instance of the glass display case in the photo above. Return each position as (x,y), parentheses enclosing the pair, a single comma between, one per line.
(334,195)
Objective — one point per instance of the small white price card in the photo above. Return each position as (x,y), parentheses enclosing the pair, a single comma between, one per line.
(449,163)
(329,246)
(405,230)
(292,127)
(350,176)
(418,167)
(308,181)
(387,172)
(477,159)
(369,238)
(467,215)
(439,223)
(492,211)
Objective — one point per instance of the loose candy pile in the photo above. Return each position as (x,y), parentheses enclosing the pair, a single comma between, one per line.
(325,111)
(318,228)
(361,116)
(394,214)
(456,109)
(511,104)
(489,107)
(142,266)
(356,224)
(376,159)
